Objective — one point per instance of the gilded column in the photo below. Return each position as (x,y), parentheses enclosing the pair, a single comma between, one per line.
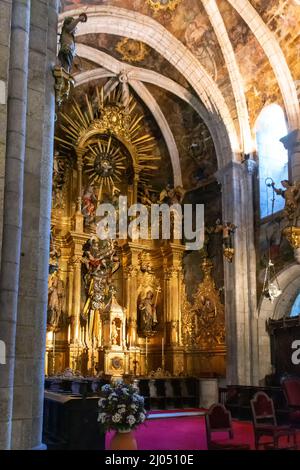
(131,261)
(78,215)
(76,339)
(135,187)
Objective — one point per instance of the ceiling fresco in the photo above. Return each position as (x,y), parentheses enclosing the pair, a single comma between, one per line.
(134,53)
(188,21)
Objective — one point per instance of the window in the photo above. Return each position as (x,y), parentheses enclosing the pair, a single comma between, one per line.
(273,157)
(295,311)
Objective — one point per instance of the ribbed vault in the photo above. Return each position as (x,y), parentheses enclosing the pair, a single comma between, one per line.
(204,41)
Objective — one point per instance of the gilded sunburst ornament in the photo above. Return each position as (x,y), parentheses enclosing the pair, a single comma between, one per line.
(131,50)
(164,5)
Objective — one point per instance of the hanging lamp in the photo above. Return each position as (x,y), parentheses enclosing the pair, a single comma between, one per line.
(271,288)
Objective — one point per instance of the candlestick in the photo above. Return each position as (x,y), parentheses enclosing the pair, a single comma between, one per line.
(53,352)
(163,353)
(146,355)
(135,363)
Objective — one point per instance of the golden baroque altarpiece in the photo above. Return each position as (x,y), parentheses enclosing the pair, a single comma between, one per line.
(119,307)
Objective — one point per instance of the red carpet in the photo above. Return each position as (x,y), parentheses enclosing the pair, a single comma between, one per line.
(186,433)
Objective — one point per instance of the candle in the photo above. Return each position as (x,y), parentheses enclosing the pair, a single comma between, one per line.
(69,333)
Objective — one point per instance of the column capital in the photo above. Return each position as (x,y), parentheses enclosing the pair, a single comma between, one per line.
(292,140)
(250,166)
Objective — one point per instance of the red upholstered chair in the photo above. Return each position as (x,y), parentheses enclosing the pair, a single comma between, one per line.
(265,423)
(291,388)
(218,419)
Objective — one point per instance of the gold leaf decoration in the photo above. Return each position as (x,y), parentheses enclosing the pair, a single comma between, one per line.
(131,50)
(163,5)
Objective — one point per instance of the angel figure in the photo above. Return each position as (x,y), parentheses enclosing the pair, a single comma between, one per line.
(171,195)
(291,195)
(146,197)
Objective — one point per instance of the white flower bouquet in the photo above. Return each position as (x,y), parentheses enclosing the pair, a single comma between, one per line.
(121,408)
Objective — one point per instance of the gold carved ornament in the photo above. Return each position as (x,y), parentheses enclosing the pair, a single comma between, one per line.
(105,131)
(131,50)
(292,234)
(204,319)
(163,5)
(63,84)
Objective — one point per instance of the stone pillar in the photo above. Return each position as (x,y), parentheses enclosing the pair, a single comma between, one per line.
(292,143)
(5,23)
(12,211)
(33,289)
(240,277)
(250,171)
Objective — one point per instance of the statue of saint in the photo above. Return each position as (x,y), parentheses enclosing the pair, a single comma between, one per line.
(147,312)
(56,295)
(67,40)
(207,307)
(114,333)
(291,195)
(101,262)
(54,255)
(89,205)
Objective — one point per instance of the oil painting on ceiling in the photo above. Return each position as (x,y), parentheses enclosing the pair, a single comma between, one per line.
(188,21)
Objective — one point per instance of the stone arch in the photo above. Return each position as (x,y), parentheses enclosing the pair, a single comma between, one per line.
(122,22)
(289,282)
(236,80)
(275,56)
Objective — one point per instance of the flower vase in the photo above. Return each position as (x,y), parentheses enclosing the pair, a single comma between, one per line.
(123,440)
